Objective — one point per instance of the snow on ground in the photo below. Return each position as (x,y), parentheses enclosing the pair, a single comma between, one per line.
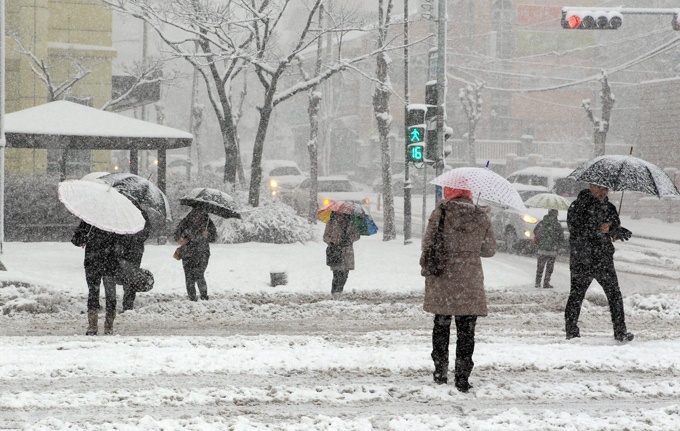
(289,358)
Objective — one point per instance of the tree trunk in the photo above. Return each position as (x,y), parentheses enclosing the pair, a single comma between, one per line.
(258,148)
(313,144)
(381,111)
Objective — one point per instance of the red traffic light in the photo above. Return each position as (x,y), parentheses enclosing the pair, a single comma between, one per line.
(574,21)
(591,20)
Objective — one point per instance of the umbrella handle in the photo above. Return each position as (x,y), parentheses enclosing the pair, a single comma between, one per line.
(621,201)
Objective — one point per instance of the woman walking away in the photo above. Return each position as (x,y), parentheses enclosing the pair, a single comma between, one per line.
(340,235)
(456,289)
(548,236)
(101,264)
(194,233)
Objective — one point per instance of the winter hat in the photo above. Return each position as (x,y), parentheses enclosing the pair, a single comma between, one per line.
(450,193)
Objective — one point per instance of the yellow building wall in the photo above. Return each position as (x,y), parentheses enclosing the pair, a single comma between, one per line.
(63,34)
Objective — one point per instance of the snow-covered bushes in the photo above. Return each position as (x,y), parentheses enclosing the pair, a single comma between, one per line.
(271,222)
(33,211)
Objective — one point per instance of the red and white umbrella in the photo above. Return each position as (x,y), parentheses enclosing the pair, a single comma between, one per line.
(484,184)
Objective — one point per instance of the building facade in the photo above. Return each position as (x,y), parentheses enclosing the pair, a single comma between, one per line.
(63,35)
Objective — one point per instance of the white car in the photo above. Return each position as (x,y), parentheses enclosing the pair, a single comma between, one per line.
(544,179)
(330,189)
(280,177)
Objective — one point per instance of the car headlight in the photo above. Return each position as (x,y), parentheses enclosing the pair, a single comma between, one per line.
(527,233)
(529,219)
(367,201)
(326,202)
(273,183)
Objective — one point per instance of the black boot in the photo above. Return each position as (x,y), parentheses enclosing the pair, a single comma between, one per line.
(441,372)
(440,348)
(462,373)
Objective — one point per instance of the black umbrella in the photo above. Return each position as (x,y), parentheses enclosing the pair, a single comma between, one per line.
(620,173)
(212,201)
(142,192)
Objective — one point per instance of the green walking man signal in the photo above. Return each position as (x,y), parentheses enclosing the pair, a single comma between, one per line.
(416,143)
(416,135)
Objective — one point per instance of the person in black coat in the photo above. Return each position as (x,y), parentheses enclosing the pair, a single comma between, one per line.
(548,236)
(101,262)
(593,226)
(194,235)
(133,251)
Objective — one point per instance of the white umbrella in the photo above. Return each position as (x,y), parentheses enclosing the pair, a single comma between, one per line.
(549,201)
(483,183)
(101,206)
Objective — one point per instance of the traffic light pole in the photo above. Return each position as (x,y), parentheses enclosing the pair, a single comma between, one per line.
(407,96)
(441,89)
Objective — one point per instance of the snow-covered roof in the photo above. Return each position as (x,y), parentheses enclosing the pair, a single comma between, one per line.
(62,124)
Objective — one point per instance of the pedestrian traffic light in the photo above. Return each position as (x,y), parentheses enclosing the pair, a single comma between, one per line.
(433,152)
(583,19)
(416,132)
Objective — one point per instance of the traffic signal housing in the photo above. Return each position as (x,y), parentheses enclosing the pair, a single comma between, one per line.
(583,19)
(416,132)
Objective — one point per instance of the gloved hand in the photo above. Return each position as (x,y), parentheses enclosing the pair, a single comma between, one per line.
(622,233)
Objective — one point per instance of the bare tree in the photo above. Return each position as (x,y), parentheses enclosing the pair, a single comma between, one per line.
(381,109)
(232,35)
(471,98)
(43,71)
(600,125)
(313,111)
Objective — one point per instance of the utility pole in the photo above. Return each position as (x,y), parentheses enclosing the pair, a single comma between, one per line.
(2,130)
(407,97)
(441,88)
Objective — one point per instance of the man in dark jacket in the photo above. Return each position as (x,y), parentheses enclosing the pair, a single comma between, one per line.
(593,224)
(548,235)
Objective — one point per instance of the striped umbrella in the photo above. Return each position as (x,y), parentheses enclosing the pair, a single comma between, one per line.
(363,221)
(549,201)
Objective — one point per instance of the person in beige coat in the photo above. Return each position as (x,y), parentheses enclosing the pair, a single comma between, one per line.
(459,290)
(340,235)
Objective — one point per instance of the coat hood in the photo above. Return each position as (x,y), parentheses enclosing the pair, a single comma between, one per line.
(465,216)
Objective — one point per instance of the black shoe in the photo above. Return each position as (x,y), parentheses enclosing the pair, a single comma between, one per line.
(547,286)
(570,336)
(439,379)
(624,338)
(463,385)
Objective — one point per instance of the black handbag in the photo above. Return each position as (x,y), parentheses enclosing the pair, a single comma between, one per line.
(434,253)
(333,254)
(138,279)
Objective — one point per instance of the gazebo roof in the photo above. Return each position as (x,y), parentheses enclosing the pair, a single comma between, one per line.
(63,124)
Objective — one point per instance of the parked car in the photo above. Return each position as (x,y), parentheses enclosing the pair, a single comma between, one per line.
(330,189)
(544,179)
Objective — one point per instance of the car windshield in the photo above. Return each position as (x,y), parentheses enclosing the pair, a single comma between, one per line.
(335,186)
(284,170)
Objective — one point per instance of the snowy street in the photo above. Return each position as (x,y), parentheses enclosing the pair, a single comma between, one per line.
(288,357)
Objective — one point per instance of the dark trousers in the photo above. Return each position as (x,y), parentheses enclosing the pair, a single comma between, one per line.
(194,275)
(605,274)
(465,342)
(339,280)
(94,279)
(547,262)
